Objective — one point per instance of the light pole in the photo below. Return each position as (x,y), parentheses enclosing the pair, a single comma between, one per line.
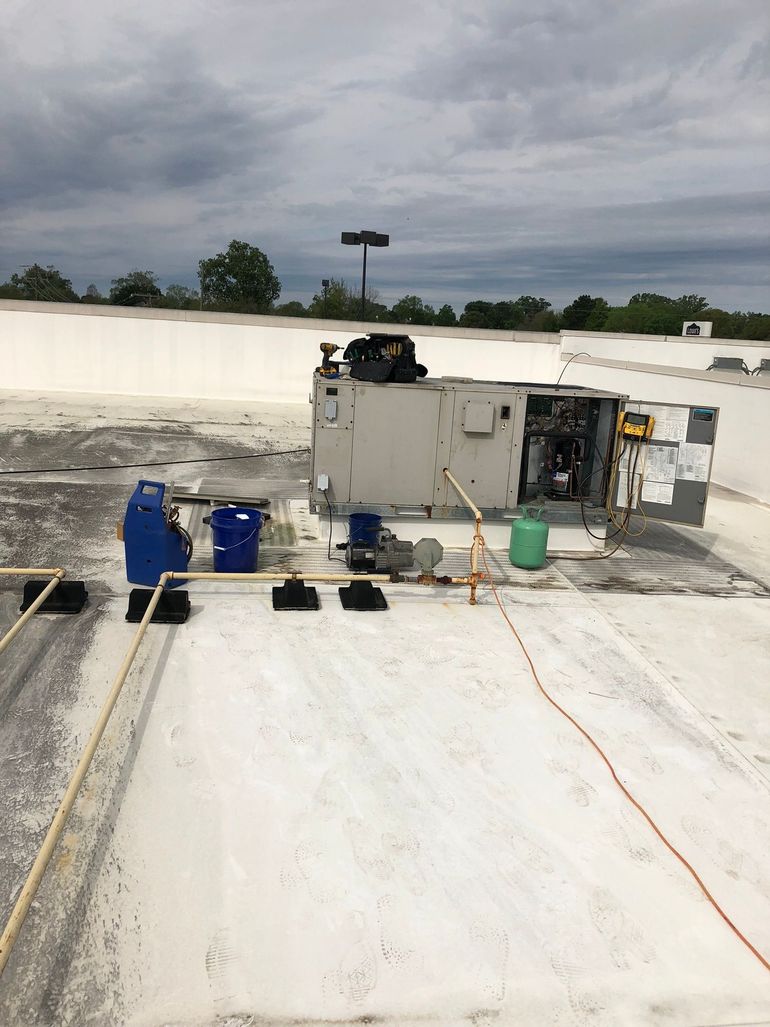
(325,287)
(367,239)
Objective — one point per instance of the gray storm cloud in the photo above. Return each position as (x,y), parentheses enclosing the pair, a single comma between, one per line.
(595,147)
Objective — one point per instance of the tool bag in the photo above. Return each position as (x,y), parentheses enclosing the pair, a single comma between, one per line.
(383,358)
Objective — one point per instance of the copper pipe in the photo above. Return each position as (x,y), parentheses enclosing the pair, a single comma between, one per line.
(56,574)
(31,885)
(35,876)
(274,576)
(478,538)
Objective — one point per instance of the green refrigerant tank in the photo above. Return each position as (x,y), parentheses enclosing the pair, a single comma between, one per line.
(529,539)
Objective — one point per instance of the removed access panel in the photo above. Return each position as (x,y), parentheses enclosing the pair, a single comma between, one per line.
(675,466)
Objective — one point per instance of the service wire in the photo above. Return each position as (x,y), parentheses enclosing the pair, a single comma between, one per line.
(334,559)
(605,759)
(573,357)
(622,528)
(607,470)
(156,463)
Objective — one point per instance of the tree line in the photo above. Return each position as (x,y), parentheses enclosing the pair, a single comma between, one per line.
(242,280)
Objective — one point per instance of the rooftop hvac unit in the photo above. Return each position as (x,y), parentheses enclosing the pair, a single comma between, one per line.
(383,446)
(697,328)
(728,364)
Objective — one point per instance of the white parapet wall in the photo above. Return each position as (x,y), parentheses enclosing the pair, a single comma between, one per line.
(61,347)
(672,369)
(741,454)
(669,350)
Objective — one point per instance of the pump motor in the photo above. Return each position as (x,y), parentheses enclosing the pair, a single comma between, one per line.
(387,554)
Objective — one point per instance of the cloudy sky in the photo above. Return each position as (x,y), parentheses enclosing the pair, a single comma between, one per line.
(508,147)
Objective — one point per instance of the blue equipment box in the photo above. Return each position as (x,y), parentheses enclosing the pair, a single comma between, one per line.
(152,543)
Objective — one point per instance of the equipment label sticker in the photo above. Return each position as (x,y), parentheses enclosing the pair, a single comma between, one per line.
(693,462)
(656,492)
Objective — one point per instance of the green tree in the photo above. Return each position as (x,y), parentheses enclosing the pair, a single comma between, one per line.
(661,322)
(526,308)
(576,314)
(242,278)
(725,325)
(650,299)
(92,295)
(506,315)
(757,327)
(598,316)
(136,289)
(181,297)
(411,310)
(691,304)
(341,302)
(44,283)
(476,314)
(335,303)
(291,309)
(376,311)
(473,319)
(544,321)
(650,313)
(623,319)
(446,316)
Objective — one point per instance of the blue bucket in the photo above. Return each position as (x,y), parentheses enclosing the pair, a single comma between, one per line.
(235,533)
(364,527)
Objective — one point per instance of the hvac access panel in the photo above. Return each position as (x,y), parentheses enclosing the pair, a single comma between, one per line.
(394,445)
(478,441)
(675,465)
(332,436)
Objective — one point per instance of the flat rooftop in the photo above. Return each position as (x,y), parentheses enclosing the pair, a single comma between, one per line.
(344,818)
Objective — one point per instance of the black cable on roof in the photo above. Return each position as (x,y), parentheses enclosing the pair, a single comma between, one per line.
(156,463)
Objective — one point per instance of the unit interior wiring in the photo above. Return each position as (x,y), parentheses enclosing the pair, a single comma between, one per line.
(562,446)
(567,457)
(624,469)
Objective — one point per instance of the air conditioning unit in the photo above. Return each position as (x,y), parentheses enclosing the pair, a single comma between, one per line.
(729,364)
(700,329)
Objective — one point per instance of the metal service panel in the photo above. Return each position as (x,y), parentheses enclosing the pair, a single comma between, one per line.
(394,444)
(675,465)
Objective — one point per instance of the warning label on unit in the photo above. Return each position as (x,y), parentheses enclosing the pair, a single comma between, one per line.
(657,492)
(670,422)
(661,464)
(693,464)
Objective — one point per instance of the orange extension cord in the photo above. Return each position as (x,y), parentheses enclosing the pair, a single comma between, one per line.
(634,802)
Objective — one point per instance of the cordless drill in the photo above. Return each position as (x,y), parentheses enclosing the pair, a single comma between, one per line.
(328,366)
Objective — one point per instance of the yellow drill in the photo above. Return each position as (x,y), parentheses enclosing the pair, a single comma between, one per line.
(328,366)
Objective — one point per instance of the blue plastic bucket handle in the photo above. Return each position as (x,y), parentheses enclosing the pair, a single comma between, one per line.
(235,532)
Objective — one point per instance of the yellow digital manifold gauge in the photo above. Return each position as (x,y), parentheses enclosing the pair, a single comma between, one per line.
(635,427)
